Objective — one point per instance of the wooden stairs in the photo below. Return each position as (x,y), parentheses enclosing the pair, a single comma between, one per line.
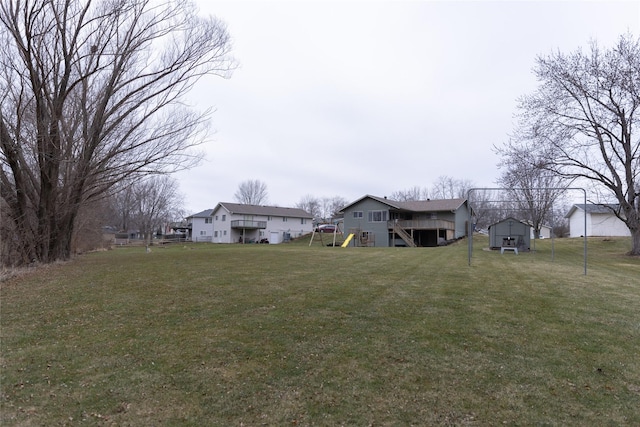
(406,237)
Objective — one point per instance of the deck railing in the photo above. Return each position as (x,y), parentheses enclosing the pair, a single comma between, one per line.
(424,224)
(245,223)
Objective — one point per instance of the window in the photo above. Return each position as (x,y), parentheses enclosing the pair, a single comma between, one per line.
(215,234)
(224,217)
(303,221)
(208,220)
(358,214)
(203,233)
(216,217)
(269,218)
(284,219)
(377,216)
(225,232)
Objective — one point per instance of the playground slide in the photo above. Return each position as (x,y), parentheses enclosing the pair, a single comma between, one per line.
(348,239)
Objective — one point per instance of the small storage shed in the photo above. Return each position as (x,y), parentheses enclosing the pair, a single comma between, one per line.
(510,233)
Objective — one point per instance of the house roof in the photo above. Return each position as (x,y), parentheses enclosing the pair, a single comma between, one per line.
(243,209)
(592,208)
(435,205)
(204,214)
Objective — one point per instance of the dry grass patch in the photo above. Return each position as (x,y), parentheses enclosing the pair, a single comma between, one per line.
(292,335)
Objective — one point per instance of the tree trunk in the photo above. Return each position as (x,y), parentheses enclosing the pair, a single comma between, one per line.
(635,242)
(632,215)
(60,249)
(55,245)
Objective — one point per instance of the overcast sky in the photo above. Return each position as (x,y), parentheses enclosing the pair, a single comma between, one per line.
(347,98)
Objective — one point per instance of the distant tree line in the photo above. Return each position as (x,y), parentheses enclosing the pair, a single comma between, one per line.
(93,117)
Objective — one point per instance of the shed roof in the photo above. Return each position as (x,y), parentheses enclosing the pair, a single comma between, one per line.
(243,209)
(510,219)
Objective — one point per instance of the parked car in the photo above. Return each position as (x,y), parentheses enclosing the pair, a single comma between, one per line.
(326,228)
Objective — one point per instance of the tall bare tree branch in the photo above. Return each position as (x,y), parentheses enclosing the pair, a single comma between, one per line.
(582,121)
(93,94)
(252,192)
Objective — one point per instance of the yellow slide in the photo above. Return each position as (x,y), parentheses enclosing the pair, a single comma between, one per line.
(346,242)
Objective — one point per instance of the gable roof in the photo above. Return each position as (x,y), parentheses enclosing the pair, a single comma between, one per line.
(510,219)
(204,214)
(592,208)
(436,205)
(243,209)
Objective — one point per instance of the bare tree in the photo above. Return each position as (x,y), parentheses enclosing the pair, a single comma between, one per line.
(486,210)
(447,187)
(93,94)
(411,194)
(533,189)
(145,205)
(122,207)
(252,192)
(582,121)
(331,206)
(312,205)
(558,222)
(88,230)
(156,201)
(324,209)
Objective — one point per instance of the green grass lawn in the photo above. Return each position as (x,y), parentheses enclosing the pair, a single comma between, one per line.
(252,335)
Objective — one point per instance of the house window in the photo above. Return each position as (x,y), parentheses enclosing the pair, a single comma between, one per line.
(366,237)
(377,216)
(208,220)
(215,234)
(358,214)
(303,221)
(269,218)
(225,232)
(203,233)
(284,219)
(216,217)
(224,217)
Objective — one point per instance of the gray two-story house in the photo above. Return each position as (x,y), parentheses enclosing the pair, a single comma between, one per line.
(378,221)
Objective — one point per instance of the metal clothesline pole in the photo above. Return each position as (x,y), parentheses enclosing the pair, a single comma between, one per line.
(470,225)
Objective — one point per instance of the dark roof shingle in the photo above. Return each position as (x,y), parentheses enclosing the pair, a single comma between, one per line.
(435,205)
(242,209)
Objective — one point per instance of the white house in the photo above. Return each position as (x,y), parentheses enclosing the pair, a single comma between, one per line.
(240,223)
(201,226)
(545,231)
(601,221)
